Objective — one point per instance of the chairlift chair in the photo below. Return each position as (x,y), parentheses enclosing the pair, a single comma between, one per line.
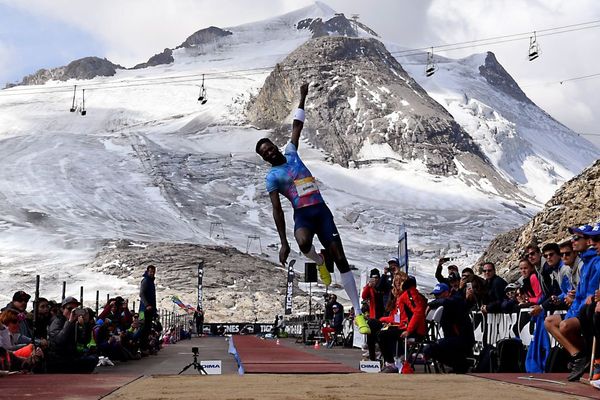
(202,98)
(430,68)
(534,49)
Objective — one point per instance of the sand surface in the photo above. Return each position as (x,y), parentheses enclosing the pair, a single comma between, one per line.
(327,387)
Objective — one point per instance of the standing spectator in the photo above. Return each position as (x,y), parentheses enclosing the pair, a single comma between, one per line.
(374,293)
(199,319)
(62,355)
(458,341)
(147,306)
(494,287)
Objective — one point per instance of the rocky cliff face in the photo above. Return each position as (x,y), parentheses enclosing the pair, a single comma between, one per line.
(166,57)
(236,286)
(84,68)
(576,202)
(338,25)
(364,99)
(497,76)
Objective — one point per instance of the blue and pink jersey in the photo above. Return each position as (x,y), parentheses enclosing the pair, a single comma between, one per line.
(294,180)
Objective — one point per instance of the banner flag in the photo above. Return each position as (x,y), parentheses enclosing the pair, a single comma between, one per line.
(289,288)
(200,274)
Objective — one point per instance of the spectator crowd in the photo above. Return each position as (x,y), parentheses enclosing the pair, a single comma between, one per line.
(65,337)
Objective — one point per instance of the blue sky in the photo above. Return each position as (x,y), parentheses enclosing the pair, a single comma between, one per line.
(38,34)
(29,42)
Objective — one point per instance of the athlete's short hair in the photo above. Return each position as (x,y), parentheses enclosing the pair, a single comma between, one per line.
(261,142)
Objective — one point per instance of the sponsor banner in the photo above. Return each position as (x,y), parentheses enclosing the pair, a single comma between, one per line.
(289,288)
(370,366)
(212,367)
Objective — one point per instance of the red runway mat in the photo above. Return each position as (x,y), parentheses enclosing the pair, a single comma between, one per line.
(58,386)
(265,356)
(560,383)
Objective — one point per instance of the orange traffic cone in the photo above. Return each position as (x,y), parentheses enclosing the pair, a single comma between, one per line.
(316,345)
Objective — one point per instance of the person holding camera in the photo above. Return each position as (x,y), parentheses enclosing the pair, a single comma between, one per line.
(62,338)
(452,269)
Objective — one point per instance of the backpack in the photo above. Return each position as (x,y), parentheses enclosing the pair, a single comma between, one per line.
(511,355)
(557,361)
(487,361)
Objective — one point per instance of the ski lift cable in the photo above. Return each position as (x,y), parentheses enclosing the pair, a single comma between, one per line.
(562,81)
(260,70)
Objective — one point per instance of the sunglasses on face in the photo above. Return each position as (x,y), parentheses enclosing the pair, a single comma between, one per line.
(566,254)
(487,270)
(531,254)
(576,238)
(548,255)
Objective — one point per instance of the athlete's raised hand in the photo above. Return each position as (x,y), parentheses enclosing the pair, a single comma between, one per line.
(304,90)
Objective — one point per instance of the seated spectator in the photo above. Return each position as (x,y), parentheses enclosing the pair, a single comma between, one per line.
(530,292)
(62,353)
(407,321)
(534,255)
(40,330)
(117,310)
(451,269)
(571,258)
(510,304)
(569,331)
(556,281)
(458,341)
(494,289)
(473,289)
(19,304)
(337,325)
(10,335)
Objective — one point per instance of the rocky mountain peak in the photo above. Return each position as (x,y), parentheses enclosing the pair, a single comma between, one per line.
(576,202)
(364,100)
(204,36)
(496,75)
(83,68)
(337,25)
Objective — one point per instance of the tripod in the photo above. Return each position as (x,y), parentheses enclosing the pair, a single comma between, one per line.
(196,366)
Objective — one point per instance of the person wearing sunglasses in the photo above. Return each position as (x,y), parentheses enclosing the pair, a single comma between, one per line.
(571,258)
(569,332)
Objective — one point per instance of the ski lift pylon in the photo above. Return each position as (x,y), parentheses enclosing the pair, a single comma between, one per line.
(72,109)
(534,48)
(83,111)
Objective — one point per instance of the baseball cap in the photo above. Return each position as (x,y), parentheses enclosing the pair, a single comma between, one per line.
(394,260)
(595,230)
(21,296)
(69,300)
(512,286)
(440,288)
(374,273)
(583,229)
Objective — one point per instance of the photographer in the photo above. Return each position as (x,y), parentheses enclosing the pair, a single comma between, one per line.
(147,307)
(117,310)
(62,338)
(452,269)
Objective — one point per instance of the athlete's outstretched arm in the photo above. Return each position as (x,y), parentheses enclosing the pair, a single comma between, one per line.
(298,124)
(279,218)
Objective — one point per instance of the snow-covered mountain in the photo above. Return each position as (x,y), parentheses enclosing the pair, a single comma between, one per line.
(150,163)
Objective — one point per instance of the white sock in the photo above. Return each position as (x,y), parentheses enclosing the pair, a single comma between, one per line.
(350,287)
(312,255)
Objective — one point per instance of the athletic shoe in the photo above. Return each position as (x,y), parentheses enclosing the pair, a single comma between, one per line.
(595,383)
(596,370)
(324,273)
(580,365)
(389,369)
(361,322)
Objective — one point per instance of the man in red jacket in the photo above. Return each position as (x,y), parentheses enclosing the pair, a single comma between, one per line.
(406,321)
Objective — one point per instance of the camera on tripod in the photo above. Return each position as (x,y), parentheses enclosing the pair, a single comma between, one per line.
(195,351)
(195,363)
